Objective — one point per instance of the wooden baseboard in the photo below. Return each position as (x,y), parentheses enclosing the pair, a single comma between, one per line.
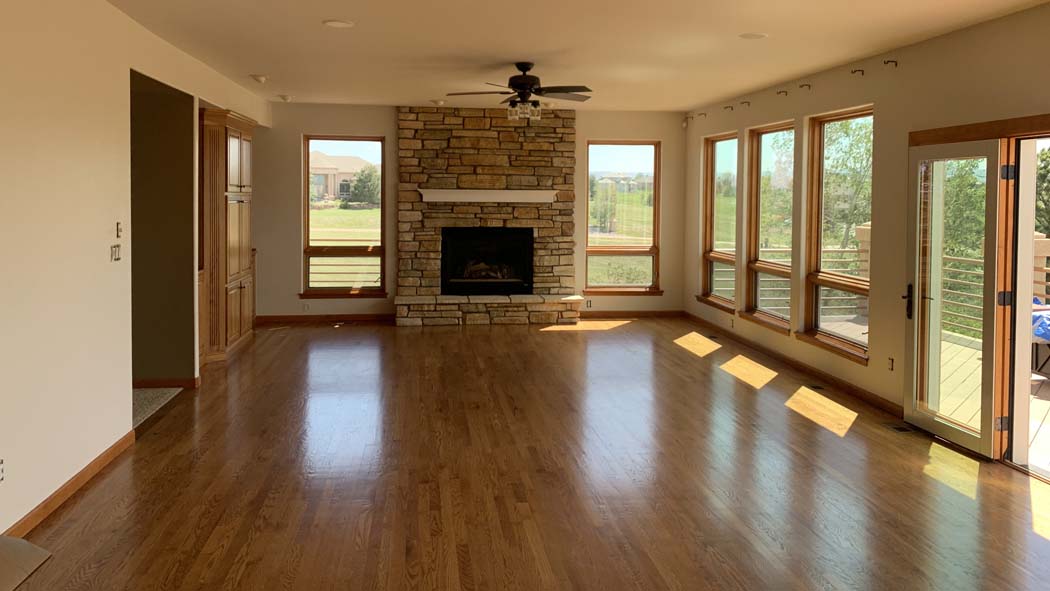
(189,383)
(620,314)
(851,389)
(321,318)
(67,490)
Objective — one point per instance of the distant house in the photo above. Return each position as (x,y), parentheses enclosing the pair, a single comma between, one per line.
(332,177)
(626,182)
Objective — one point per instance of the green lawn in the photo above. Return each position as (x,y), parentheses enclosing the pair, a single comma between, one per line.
(345,227)
(630,222)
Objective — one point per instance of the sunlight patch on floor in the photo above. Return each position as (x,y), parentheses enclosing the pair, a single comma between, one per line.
(697,344)
(586,325)
(1039,497)
(751,373)
(822,410)
(954,470)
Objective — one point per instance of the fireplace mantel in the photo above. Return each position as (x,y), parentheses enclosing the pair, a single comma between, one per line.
(487,196)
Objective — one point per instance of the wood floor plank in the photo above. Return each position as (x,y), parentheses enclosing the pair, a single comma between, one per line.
(644,455)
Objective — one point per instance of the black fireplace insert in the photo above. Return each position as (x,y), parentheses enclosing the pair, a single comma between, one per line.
(486,261)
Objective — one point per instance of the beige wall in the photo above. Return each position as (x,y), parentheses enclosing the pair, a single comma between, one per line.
(64,183)
(278,194)
(991,71)
(636,125)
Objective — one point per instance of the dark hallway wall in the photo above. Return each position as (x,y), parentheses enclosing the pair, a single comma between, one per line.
(163,267)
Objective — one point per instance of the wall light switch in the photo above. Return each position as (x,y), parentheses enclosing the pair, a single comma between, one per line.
(120,230)
(114,253)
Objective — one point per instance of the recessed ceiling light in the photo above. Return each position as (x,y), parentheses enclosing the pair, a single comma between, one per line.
(337,24)
(260,78)
(753,36)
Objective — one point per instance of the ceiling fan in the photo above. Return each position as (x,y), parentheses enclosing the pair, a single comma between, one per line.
(521,89)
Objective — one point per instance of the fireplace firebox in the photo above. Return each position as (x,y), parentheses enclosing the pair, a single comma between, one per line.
(486,261)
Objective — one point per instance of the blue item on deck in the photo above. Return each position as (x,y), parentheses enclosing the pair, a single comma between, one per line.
(1040,325)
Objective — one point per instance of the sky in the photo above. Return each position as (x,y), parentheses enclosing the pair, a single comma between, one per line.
(369,150)
(607,158)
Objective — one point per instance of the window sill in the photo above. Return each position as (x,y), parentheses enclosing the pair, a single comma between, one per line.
(339,295)
(767,320)
(841,347)
(718,303)
(623,291)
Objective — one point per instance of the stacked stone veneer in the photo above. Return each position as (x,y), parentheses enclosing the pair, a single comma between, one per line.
(480,149)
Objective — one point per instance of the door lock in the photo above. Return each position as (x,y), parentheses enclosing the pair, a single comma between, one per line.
(909,299)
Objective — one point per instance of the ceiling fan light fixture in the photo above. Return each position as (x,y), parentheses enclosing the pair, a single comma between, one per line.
(524,111)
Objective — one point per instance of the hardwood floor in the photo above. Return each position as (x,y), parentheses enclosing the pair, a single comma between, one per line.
(635,455)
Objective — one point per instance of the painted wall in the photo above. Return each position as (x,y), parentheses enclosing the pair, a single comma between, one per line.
(64,183)
(987,72)
(278,194)
(163,276)
(637,125)
(277,217)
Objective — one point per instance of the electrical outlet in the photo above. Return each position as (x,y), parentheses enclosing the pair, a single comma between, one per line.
(891,364)
(588,303)
(2,476)
(306,307)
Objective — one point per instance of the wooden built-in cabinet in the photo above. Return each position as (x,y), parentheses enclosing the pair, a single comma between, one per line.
(228,261)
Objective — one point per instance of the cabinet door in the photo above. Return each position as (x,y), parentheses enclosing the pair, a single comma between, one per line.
(245,236)
(233,239)
(247,305)
(246,163)
(233,313)
(233,161)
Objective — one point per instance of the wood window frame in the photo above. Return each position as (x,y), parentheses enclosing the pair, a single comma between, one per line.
(653,250)
(755,265)
(343,251)
(709,255)
(815,277)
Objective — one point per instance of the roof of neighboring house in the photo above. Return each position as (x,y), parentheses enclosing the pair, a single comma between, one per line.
(340,163)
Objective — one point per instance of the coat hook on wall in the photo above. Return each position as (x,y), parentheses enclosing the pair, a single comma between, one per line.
(888,62)
(857,71)
(746,103)
(727,108)
(806,86)
(704,115)
(782,92)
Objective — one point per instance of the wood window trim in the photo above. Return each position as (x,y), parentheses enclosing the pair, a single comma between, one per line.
(708,253)
(653,250)
(343,251)
(718,303)
(843,348)
(770,321)
(755,264)
(815,277)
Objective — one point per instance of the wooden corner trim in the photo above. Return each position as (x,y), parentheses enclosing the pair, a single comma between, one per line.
(846,387)
(51,504)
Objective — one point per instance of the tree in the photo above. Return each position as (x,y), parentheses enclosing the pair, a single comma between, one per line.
(366,188)
(847,179)
(603,205)
(1042,192)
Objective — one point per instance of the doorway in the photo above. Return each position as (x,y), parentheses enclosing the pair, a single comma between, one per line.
(163,264)
(954,246)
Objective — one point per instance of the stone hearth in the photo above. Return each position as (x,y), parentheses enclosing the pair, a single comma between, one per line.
(481,151)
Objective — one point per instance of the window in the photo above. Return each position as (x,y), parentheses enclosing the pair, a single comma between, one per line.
(718,273)
(623,213)
(343,217)
(771,178)
(840,232)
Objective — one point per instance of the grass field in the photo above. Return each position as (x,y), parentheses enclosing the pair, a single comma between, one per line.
(631,222)
(345,227)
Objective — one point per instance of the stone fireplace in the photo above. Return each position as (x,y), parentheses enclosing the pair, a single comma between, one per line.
(496,190)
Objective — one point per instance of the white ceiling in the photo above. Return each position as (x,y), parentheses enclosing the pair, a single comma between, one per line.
(634,54)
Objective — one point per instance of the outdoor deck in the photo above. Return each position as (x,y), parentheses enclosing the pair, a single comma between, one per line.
(961,400)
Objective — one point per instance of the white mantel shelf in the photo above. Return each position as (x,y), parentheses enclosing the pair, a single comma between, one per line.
(487,196)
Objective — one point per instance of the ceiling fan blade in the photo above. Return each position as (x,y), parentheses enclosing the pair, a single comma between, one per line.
(481,92)
(507,100)
(497,85)
(547,90)
(566,96)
